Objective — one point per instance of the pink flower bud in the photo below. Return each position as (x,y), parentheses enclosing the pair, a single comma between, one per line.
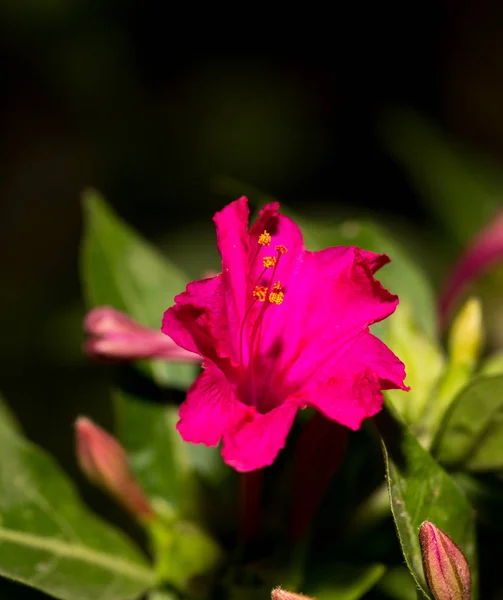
(484,250)
(445,567)
(114,335)
(104,462)
(280,594)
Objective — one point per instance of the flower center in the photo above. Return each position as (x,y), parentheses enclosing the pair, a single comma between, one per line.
(271,293)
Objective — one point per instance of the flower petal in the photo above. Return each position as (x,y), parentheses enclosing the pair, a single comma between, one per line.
(233,244)
(331,296)
(198,321)
(374,261)
(284,232)
(209,409)
(254,441)
(349,400)
(348,387)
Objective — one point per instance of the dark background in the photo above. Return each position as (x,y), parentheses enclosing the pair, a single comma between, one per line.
(155,108)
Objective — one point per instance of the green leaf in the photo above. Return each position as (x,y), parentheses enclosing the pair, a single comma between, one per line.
(420,490)
(121,269)
(343,581)
(424,363)
(493,365)
(50,541)
(398,584)
(471,434)
(162,595)
(182,549)
(7,419)
(458,187)
(155,449)
(485,494)
(165,465)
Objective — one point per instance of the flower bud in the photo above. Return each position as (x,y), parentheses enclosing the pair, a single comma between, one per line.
(467,335)
(280,594)
(104,462)
(114,335)
(485,250)
(465,343)
(445,567)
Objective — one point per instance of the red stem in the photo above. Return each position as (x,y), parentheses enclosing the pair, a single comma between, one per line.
(319,453)
(251,489)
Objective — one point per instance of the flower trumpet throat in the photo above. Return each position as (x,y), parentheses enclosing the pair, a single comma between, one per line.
(271,343)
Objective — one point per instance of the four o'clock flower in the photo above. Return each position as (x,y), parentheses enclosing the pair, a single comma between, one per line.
(280,328)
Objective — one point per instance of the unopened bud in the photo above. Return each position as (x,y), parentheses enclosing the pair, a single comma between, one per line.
(104,462)
(467,335)
(113,335)
(484,251)
(280,594)
(445,566)
(466,339)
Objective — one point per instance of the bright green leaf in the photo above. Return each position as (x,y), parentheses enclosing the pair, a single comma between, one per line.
(420,490)
(342,581)
(122,270)
(50,541)
(471,434)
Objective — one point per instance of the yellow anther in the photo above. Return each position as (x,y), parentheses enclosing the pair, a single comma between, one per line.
(277,295)
(269,261)
(259,293)
(264,239)
(281,249)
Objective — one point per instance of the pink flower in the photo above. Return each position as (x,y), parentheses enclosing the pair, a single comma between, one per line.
(485,250)
(280,329)
(114,335)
